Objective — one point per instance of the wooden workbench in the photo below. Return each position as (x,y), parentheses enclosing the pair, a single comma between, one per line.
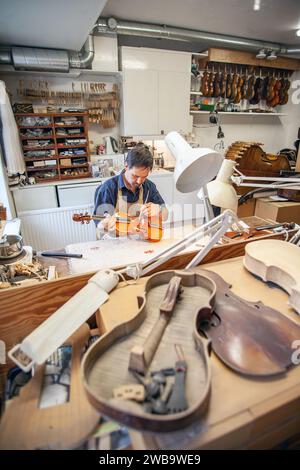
(243,412)
(22,309)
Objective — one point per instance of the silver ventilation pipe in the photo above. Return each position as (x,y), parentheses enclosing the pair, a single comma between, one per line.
(84,58)
(293,50)
(5,56)
(35,59)
(53,60)
(111,25)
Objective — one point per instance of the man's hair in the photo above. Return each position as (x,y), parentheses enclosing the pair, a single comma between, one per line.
(140,156)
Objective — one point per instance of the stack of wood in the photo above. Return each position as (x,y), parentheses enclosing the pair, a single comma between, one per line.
(251,159)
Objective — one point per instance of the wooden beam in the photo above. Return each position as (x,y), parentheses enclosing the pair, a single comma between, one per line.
(229,56)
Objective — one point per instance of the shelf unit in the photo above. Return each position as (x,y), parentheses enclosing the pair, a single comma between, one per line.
(50,145)
(233,66)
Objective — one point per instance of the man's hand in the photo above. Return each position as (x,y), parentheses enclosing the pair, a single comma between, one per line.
(150,210)
(109,223)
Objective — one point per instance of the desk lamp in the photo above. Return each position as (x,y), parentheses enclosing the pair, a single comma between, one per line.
(221,193)
(194,168)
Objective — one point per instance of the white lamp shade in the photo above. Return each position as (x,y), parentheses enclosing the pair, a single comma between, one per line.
(221,193)
(195,167)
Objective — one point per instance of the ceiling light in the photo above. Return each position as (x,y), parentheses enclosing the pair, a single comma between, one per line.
(298,32)
(271,55)
(256,5)
(261,54)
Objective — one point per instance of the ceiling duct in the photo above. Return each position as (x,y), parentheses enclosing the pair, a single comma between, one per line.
(131,28)
(29,58)
(26,58)
(84,58)
(50,60)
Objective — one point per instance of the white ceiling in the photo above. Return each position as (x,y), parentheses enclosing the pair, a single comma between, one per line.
(58,24)
(65,24)
(276,21)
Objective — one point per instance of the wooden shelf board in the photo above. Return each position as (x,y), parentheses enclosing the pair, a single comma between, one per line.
(69,125)
(73,156)
(36,127)
(42,168)
(80,113)
(24,137)
(229,56)
(240,113)
(34,159)
(73,146)
(66,136)
(82,165)
(48,147)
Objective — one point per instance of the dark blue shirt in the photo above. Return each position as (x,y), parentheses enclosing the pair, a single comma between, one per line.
(106,194)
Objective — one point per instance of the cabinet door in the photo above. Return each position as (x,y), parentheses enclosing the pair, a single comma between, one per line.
(140,102)
(77,194)
(174,101)
(30,199)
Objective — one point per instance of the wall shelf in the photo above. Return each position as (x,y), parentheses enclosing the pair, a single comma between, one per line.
(237,113)
(59,144)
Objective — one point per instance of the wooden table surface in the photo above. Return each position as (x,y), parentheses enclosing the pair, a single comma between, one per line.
(62,266)
(243,412)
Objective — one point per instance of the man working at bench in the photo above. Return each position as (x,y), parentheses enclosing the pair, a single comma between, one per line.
(130,193)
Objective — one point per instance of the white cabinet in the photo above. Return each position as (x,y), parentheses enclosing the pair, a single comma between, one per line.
(140,102)
(173,102)
(72,195)
(156,91)
(32,198)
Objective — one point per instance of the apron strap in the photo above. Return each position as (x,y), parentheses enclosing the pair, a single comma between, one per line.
(123,206)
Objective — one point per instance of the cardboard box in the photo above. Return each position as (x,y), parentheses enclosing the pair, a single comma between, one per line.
(247,209)
(278,211)
(65,161)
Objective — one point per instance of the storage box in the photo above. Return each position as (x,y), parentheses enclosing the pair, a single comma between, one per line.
(279,211)
(247,209)
(65,161)
(39,163)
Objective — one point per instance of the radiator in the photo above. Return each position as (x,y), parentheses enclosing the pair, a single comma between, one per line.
(51,229)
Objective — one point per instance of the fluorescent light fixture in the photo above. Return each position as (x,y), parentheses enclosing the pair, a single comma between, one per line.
(298,32)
